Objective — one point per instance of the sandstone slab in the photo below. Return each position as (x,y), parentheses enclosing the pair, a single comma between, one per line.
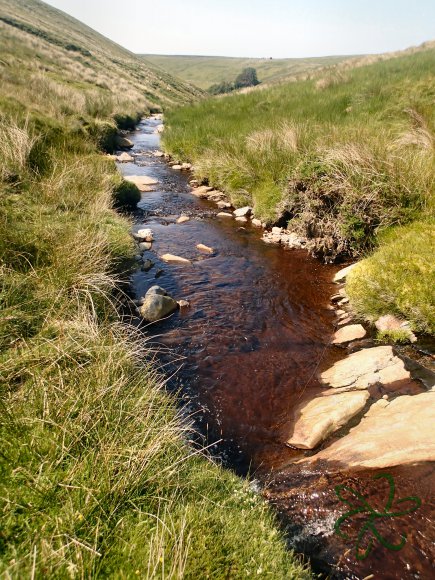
(142,182)
(324,415)
(125,158)
(349,333)
(365,368)
(391,433)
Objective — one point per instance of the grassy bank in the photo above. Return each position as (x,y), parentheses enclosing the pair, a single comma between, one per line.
(342,157)
(97,478)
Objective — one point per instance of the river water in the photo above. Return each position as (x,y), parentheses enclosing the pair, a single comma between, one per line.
(249,349)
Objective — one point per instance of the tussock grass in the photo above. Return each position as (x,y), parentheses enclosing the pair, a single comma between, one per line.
(98,478)
(399,278)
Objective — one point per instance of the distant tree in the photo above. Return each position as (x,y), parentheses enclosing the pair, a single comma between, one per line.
(247,78)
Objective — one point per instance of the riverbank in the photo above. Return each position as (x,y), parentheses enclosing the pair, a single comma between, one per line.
(340,160)
(97,475)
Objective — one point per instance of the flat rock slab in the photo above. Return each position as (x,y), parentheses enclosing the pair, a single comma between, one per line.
(366,367)
(391,433)
(202,191)
(172,259)
(125,158)
(182,219)
(324,415)
(142,182)
(224,214)
(243,212)
(349,333)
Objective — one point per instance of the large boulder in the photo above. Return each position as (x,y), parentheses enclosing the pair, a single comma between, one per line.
(157,304)
(124,143)
(367,367)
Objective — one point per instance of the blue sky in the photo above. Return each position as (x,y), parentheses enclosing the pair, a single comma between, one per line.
(258,28)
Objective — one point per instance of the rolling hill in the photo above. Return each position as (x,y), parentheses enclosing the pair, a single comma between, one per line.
(42,45)
(204,71)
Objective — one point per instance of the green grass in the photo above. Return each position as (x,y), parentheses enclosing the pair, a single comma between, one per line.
(342,157)
(97,475)
(205,71)
(399,278)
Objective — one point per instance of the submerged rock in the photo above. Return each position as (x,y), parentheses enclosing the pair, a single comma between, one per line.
(172,259)
(157,304)
(365,368)
(323,415)
(204,248)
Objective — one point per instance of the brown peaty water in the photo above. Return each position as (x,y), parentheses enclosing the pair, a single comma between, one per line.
(246,352)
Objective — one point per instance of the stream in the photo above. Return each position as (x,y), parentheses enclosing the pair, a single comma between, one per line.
(247,350)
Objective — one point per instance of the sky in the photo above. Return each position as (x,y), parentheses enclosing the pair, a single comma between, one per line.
(258,28)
